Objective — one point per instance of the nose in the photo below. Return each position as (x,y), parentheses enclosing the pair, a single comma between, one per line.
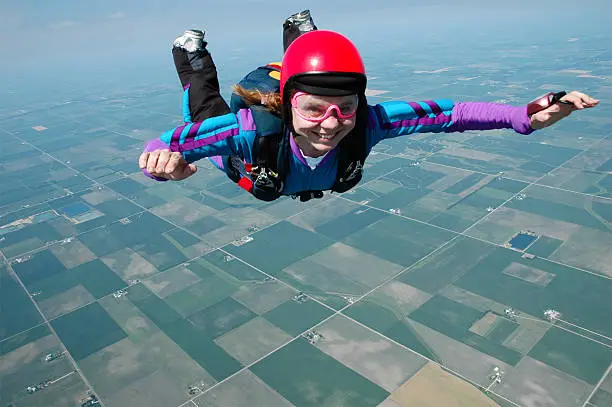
(332,121)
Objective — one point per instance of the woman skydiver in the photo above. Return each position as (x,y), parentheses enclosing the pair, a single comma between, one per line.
(315,134)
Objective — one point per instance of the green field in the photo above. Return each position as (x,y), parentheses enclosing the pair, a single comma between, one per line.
(181,237)
(467,163)
(347,224)
(399,241)
(547,154)
(202,294)
(559,211)
(28,238)
(454,320)
(19,340)
(288,242)
(13,297)
(582,298)
(295,317)
(400,197)
(40,266)
(196,343)
(221,317)
(218,260)
(390,324)
(446,265)
(573,354)
(311,378)
(544,246)
(87,330)
(95,276)
(465,183)
(458,218)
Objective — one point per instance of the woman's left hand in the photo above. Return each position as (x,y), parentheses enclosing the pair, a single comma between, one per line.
(573,101)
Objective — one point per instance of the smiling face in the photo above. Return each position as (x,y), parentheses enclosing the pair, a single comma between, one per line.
(322,121)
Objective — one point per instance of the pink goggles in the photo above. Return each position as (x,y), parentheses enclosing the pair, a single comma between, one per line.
(318,108)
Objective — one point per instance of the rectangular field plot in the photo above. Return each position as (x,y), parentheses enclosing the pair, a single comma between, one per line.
(529,274)
(582,298)
(564,206)
(460,322)
(196,343)
(472,164)
(75,287)
(520,334)
(329,382)
(14,297)
(244,389)
(544,246)
(432,386)
(385,311)
(297,315)
(533,158)
(339,270)
(588,173)
(37,359)
(494,327)
(171,281)
(81,337)
(369,354)
(37,267)
(576,227)
(252,340)
(573,354)
(447,197)
(229,265)
(535,382)
(279,239)
(206,292)
(456,355)
(587,249)
(134,232)
(154,362)
(446,265)
(398,240)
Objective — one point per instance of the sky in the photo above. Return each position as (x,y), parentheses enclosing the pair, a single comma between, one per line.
(54,43)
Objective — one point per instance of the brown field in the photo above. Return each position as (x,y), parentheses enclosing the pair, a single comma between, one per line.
(433,387)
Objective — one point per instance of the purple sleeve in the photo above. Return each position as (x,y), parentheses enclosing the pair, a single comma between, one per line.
(489,116)
(152,145)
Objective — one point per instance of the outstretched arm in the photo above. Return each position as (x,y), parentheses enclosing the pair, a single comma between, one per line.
(171,156)
(393,119)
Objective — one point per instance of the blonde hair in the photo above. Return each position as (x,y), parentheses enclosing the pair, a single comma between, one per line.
(271,100)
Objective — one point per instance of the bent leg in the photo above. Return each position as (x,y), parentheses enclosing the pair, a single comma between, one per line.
(197,71)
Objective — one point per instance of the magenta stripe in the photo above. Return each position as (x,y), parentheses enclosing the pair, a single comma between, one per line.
(193,144)
(186,86)
(417,109)
(193,131)
(423,121)
(434,107)
(176,137)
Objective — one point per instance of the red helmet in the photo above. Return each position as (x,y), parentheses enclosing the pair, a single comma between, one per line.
(323,62)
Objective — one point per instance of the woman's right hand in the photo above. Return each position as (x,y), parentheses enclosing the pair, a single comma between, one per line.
(166,164)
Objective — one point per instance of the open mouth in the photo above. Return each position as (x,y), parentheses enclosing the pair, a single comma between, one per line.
(326,136)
